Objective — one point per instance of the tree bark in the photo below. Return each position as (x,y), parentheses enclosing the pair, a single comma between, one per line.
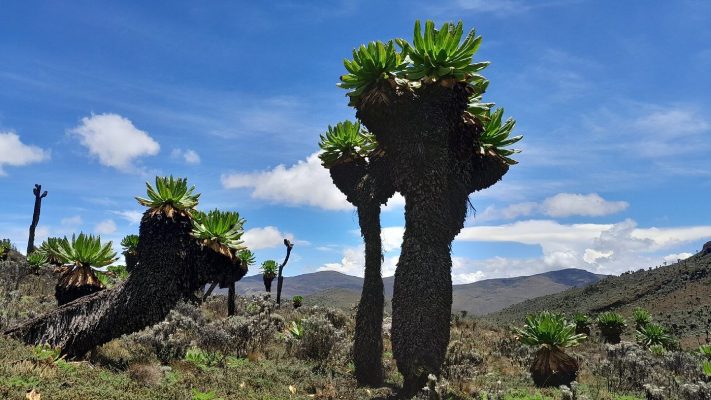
(39,195)
(280,278)
(368,339)
(231,300)
(171,267)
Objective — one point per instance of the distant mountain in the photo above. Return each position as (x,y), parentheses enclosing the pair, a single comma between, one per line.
(339,290)
(677,295)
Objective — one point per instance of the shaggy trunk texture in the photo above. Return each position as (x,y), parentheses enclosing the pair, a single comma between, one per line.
(231,300)
(552,368)
(171,267)
(367,186)
(75,282)
(39,195)
(131,261)
(433,164)
(268,282)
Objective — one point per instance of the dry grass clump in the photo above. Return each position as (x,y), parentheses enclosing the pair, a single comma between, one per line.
(145,374)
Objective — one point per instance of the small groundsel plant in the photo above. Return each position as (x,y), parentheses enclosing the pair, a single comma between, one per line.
(170,196)
(5,247)
(496,137)
(297,301)
(705,351)
(269,268)
(582,323)
(611,326)
(641,317)
(551,333)
(130,244)
(50,248)
(296,329)
(37,259)
(653,334)
(371,65)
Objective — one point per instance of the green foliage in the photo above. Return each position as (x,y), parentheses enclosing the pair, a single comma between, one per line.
(170,195)
(44,352)
(130,243)
(269,268)
(220,230)
(50,248)
(641,317)
(653,334)
(297,300)
(296,329)
(497,137)
(657,350)
(37,259)
(611,319)
(247,258)
(345,142)
(705,351)
(198,395)
(86,250)
(549,329)
(438,54)
(371,64)
(5,247)
(202,359)
(707,368)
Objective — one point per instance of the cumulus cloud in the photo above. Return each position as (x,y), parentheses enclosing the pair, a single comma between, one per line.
(132,216)
(558,206)
(266,237)
(115,141)
(188,156)
(15,153)
(304,183)
(105,227)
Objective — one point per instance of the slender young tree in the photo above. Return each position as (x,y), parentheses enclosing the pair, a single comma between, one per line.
(39,195)
(173,262)
(423,105)
(280,278)
(355,163)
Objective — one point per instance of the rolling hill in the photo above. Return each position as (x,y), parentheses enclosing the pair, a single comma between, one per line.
(678,295)
(339,290)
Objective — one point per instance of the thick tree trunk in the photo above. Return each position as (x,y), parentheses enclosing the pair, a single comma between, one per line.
(368,341)
(39,195)
(171,267)
(268,283)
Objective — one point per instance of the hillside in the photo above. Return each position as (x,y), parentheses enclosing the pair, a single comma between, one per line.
(679,295)
(343,291)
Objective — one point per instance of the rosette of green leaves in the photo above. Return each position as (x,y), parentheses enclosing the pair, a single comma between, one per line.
(86,250)
(549,329)
(496,137)
(170,195)
(219,230)
(37,259)
(269,268)
(641,317)
(653,334)
(371,64)
(346,141)
(438,54)
(50,249)
(5,247)
(130,244)
(246,257)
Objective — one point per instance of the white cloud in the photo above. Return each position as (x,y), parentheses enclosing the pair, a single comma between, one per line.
(560,205)
(105,227)
(266,237)
(672,258)
(683,122)
(72,221)
(591,205)
(132,216)
(603,248)
(189,156)
(15,153)
(352,263)
(304,183)
(115,141)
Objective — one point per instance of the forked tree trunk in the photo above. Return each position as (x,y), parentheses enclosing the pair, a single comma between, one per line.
(171,267)
(433,165)
(280,278)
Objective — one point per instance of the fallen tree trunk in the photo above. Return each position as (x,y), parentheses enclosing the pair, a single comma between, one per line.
(171,267)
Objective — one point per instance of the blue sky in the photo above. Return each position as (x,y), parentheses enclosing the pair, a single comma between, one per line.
(612,97)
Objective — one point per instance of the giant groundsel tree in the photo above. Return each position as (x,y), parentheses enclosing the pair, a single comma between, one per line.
(437,142)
